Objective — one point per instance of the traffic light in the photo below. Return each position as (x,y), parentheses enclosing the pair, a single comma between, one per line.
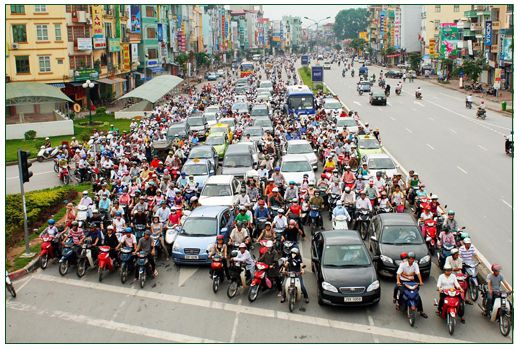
(25,164)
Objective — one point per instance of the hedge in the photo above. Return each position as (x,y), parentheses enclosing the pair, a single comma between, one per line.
(41,205)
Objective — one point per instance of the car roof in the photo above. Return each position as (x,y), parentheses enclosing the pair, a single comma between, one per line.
(196,161)
(330,99)
(252,128)
(201,146)
(260,105)
(360,137)
(208,211)
(238,148)
(294,158)
(397,219)
(217,133)
(335,237)
(378,93)
(220,179)
(297,142)
(378,155)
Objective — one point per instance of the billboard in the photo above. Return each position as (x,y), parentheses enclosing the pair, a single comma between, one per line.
(488,33)
(135,53)
(397,29)
(114,45)
(317,73)
(97,21)
(135,18)
(305,60)
(99,43)
(84,44)
(126,56)
(449,38)
(363,35)
(159,32)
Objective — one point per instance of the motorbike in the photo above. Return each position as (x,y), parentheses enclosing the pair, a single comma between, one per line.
(443,253)
(418,95)
(156,242)
(171,235)
(63,175)
(509,147)
(333,198)
(314,215)
(472,280)
(397,91)
(82,214)
(85,256)
(363,219)
(409,299)
(142,265)
(237,272)
(127,263)
(260,225)
(263,248)
(293,289)
(450,308)
(387,93)
(104,261)
(9,285)
(340,223)
(469,104)
(46,251)
(481,114)
(68,257)
(260,280)
(384,210)
(139,231)
(502,311)
(352,74)
(217,272)
(431,234)
(44,155)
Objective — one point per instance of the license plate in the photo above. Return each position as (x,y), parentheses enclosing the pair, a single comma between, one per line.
(352,299)
(191,257)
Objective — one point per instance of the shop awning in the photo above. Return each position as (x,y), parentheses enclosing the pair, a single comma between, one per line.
(22,93)
(153,90)
(58,85)
(111,81)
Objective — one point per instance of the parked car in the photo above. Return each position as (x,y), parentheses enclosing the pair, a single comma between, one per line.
(343,269)
(394,74)
(394,233)
(377,98)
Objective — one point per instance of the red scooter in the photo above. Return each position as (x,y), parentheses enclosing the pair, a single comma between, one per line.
(263,249)
(46,251)
(450,308)
(63,175)
(430,227)
(217,271)
(104,261)
(259,280)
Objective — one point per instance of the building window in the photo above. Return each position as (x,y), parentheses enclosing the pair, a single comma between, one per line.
(45,64)
(152,54)
(40,8)
(19,33)
(59,60)
(456,8)
(22,64)
(108,30)
(18,9)
(437,24)
(437,8)
(151,33)
(57,31)
(150,11)
(41,32)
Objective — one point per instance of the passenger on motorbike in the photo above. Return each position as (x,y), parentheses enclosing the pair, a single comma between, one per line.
(295,264)
(450,224)
(425,215)
(243,198)
(454,261)
(96,239)
(447,280)
(384,202)
(349,178)
(261,211)
(239,234)
(372,192)
(267,233)
(409,270)
(244,256)
(291,192)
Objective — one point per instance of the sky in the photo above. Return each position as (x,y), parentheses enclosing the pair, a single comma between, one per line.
(315,12)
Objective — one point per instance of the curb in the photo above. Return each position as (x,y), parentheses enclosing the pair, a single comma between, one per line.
(30,267)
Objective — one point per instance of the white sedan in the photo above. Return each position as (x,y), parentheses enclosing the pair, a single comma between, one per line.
(304,148)
(294,166)
(380,162)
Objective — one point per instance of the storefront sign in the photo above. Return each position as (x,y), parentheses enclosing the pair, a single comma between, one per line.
(488,34)
(449,36)
(99,43)
(159,32)
(151,63)
(135,18)
(470,47)
(505,47)
(97,22)
(397,29)
(126,57)
(173,37)
(84,44)
(432,47)
(135,53)
(382,23)
(114,45)
(85,74)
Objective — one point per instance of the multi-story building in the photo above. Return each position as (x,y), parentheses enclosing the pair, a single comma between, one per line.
(293,28)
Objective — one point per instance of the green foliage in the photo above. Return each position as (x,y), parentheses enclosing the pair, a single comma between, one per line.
(101,110)
(182,58)
(337,47)
(415,60)
(473,68)
(350,22)
(30,135)
(390,50)
(358,44)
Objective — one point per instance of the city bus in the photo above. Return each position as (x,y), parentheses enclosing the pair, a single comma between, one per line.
(246,69)
(300,100)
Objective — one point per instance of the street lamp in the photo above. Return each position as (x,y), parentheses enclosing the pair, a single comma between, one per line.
(317,22)
(89,85)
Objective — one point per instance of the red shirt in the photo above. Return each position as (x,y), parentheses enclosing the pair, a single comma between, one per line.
(295,209)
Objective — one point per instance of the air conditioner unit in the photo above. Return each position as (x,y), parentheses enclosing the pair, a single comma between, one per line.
(82,16)
(15,46)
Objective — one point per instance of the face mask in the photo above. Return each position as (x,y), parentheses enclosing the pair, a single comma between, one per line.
(293,255)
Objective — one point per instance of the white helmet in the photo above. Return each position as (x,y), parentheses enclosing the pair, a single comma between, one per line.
(295,250)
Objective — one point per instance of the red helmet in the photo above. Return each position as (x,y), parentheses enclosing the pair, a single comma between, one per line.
(261,202)
(496,267)
(220,237)
(115,166)
(404,255)
(323,176)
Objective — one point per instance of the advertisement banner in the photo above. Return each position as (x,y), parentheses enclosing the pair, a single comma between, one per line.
(449,36)
(118,22)
(84,44)
(99,43)
(97,21)
(85,74)
(114,45)
(128,10)
(305,60)
(126,57)
(432,47)
(397,29)
(382,23)
(470,47)
(488,33)
(135,53)
(317,74)
(135,18)
(159,32)
(173,37)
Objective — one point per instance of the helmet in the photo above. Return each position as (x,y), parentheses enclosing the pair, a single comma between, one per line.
(295,250)
(347,189)
(275,189)
(74,223)
(51,222)
(464,235)
(466,240)
(496,267)
(234,254)
(110,227)
(292,222)
(411,255)
(454,251)
(448,268)
(85,192)
(242,208)
(434,196)
(277,168)
(323,176)
(128,230)
(339,203)
(404,255)
(147,232)
(193,199)
(242,245)
(378,174)
(280,211)
(362,192)
(292,182)
(220,237)
(451,212)
(295,200)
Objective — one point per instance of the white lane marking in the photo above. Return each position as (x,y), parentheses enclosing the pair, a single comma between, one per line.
(430,146)
(436,97)
(509,205)
(119,309)
(356,103)
(453,131)
(392,118)
(388,103)
(250,310)
(185,273)
(464,171)
(23,282)
(372,324)
(418,103)
(410,131)
(37,174)
(115,326)
(482,147)
(235,326)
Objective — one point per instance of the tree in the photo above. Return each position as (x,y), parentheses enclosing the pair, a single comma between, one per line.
(350,22)
(414,59)
(472,68)
(357,44)
(337,47)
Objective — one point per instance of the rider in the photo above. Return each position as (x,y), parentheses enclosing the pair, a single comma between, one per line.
(450,224)
(271,258)
(340,210)
(493,280)
(481,108)
(245,257)
(454,261)
(407,271)
(295,264)
(418,92)
(220,248)
(469,100)
(317,201)
(146,244)
(449,281)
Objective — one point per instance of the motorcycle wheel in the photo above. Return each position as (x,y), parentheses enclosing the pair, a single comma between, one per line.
(473,291)
(63,268)
(56,168)
(100,274)
(124,273)
(504,322)
(253,293)
(232,289)
(142,278)
(292,300)
(66,180)
(364,230)
(81,270)
(39,159)
(411,316)
(216,283)
(11,290)
(450,321)
(44,261)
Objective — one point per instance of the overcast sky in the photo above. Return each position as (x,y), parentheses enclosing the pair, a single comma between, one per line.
(316,12)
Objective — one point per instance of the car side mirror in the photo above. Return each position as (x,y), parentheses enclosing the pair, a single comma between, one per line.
(373,238)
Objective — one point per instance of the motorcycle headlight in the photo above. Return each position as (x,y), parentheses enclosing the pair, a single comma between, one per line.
(425,260)
(329,287)
(386,259)
(176,247)
(373,286)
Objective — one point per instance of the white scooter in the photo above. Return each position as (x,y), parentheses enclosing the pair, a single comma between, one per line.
(293,289)
(340,223)
(44,155)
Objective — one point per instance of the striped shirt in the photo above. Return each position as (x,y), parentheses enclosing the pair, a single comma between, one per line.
(467,254)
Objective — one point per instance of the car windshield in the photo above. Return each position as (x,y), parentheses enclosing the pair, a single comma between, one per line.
(259,111)
(215,140)
(210,117)
(176,131)
(368,143)
(401,235)
(237,161)
(195,169)
(216,190)
(253,132)
(211,110)
(296,166)
(332,105)
(380,163)
(195,121)
(345,256)
(263,122)
(199,226)
(266,84)
(348,122)
(300,102)
(227,121)
(200,153)
(239,106)
(240,90)
(300,148)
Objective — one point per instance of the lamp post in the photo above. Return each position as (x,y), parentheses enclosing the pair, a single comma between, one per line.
(89,85)
(317,22)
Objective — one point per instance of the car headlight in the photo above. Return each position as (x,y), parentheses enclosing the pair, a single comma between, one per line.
(329,287)
(176,247)
(425,260)
(386,259)
(373,286)
(210,246)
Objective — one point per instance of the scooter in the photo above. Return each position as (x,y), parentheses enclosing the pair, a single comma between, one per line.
(293,289)
(409,299)
(469,104)
(217,272)
(46,251)
(443,253)
(43,155)
(104,261)
(340,223)
(481,114)
(127,263)
(85,256)
(63,175)
(237,272)
(139,231)
(502,311)
(450,308)
(397,91)
(314,215)
(82,214)
(363,219)
(472,280)
(260,279)
(9,285)
(156,242)
(68,257)
(418,96)
(431,234)
(142,265)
